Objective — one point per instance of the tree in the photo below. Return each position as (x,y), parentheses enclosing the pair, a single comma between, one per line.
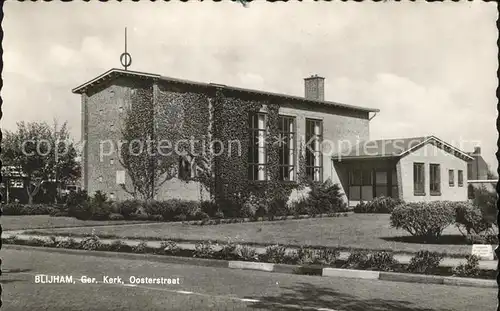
(42,153)
(147,168)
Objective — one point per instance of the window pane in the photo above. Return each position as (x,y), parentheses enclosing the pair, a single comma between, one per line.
(381,178)
(355,193)
(367,177)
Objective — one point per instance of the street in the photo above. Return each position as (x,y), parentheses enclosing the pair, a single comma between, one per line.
(105,286)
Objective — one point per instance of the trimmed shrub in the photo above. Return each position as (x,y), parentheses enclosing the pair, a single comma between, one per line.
(35,242)
(469,269)
(424,262)
(275,254)
(140,248)
(114,216)
(91,243)
(228,251)
(68,243)
(381,261)
(247,253)
(169,247)
(424,219)
(470,222)
(326,256)
(357,260)
(25,209)
(118,246)
(303,256)
(379,205)
(50,242)
(204,249)
(487,202)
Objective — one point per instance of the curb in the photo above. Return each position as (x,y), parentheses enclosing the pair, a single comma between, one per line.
(354,274)
(275,268)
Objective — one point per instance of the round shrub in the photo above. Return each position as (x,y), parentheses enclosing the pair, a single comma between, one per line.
(468,269)
(424,262)
(470,221)
(423,219)
(357,260)
(381,261)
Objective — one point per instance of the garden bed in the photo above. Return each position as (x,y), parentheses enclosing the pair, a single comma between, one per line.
(325,258)
(357,231)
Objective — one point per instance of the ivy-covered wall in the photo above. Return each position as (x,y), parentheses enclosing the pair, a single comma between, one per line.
(205,114)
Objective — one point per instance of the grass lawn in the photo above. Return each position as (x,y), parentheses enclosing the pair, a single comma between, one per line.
(46,221)
(367,231)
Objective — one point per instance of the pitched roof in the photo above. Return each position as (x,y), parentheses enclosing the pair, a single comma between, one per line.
(397,147)
(114,73)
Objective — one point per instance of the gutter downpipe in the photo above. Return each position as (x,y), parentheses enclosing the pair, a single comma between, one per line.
(374,115)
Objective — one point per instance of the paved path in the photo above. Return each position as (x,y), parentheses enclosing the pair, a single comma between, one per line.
(446,262)
(204,288)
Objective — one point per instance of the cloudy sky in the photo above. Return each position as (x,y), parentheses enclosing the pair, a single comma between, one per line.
(430,67)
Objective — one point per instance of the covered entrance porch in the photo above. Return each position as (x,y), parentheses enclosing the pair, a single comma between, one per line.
(365,179)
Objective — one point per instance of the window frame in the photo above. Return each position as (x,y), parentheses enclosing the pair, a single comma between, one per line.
(291,138)
(451,177)
(419,181)
(434,192)
(311,169)
(460,177)
(254,146)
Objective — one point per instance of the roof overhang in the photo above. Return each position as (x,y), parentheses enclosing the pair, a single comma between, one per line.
(447,147)
(429,139)
(111,74)
(114,73)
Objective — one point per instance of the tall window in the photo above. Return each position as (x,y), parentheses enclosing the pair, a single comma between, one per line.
(460,178)
(419,178)
(435,179)
(451,177)
(287,148)
(257,147)
(314,159)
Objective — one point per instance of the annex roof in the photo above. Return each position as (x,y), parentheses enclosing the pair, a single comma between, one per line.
(397,147)
(114,73)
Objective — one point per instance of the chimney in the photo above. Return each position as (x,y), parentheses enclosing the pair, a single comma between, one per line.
(477,150)
(315,88)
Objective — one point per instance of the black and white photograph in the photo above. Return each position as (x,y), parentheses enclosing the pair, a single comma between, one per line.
(249,155)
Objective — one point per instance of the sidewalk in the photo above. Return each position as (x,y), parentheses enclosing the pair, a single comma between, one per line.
(404,259)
